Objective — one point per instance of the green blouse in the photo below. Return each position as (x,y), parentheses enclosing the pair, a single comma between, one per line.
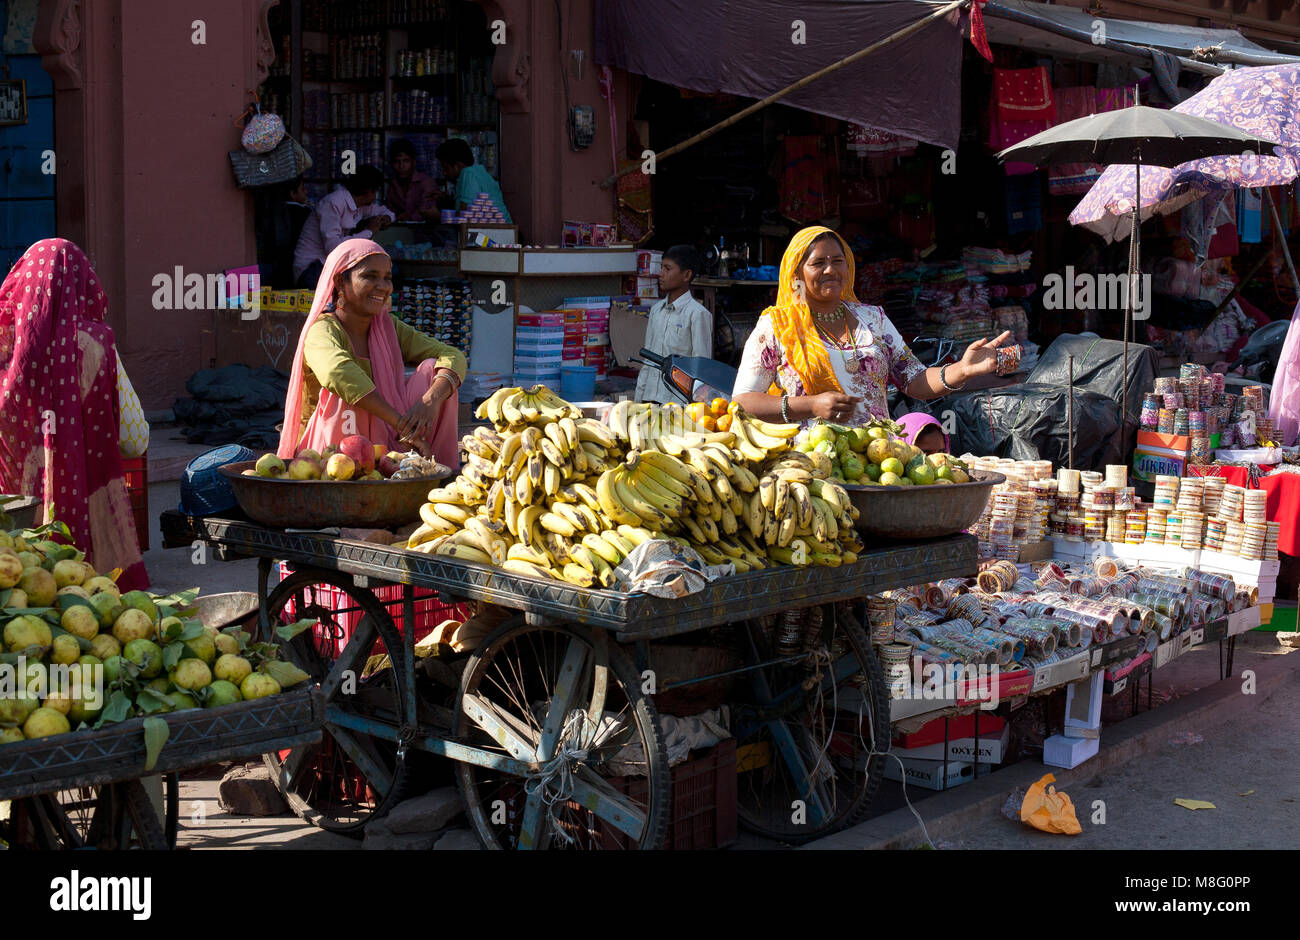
(330,362)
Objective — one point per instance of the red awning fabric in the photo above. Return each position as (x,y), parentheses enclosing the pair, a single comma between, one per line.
(750,48)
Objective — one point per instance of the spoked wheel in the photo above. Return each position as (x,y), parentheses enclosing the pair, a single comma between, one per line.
(110,816)
(349,777)
(563,707)
(804,730)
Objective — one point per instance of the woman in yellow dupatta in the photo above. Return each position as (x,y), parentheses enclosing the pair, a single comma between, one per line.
(820,353)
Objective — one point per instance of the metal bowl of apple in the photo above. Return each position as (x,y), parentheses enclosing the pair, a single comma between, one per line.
(922,512)
(284,502)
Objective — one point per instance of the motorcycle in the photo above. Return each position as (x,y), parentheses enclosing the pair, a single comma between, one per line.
(692,378)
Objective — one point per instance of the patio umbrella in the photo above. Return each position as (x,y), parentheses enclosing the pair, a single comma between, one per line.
(1135,136)
(1264,102)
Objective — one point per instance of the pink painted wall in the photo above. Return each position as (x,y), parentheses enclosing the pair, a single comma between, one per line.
(151,186)
(180,205)
(543,180)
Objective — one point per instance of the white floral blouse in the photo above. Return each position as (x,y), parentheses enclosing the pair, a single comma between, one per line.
(878,349)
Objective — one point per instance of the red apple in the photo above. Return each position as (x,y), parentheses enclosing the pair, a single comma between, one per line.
(387,466)
(361,451)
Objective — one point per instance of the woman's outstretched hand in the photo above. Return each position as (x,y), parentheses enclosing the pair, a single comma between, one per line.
(981,357)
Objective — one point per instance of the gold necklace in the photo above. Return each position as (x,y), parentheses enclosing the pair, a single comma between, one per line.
(836,314)
(851,362)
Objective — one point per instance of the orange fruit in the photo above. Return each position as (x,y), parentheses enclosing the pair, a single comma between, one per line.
(724,422)
(708,422)
(697,410)
(719,406)
(734,408)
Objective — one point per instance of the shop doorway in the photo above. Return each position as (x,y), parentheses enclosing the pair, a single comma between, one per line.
(26,136)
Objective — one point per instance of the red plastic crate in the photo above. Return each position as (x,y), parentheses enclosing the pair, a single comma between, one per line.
(704,801)
(136,471)
(429,610)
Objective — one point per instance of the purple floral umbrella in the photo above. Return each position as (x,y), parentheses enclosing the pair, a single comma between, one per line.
(1264,102)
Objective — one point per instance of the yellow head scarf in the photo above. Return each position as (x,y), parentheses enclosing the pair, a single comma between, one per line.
(792,321)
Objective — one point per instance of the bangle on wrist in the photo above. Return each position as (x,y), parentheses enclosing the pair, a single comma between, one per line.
(943,380)
(785,414)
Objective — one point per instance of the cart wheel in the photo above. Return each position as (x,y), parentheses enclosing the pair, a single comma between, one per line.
(109,816)
(347,778)
(571,694)
(810,720)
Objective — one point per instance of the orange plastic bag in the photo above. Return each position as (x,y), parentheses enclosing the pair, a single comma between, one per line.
(1046,809)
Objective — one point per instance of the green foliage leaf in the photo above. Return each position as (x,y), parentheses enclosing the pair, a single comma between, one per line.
(287,674)
(156,733)
(290,630)
(191,629)
(150,701)
(4,597)
(62,553)
(179,600)
(118,708)
(172,654)
(68,601)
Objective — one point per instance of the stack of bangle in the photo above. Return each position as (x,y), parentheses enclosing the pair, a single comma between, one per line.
(450,376)
(785,415)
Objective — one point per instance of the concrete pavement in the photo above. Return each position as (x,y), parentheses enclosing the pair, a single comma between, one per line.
(1246,730)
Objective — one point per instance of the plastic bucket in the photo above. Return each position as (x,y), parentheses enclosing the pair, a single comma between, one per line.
(577,383)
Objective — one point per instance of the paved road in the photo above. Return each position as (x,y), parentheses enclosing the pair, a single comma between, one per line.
(1259,752)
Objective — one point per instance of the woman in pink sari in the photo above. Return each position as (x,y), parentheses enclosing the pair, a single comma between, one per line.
(59,405)
(348,371)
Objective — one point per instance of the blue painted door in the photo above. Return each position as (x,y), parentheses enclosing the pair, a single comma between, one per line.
(26,150)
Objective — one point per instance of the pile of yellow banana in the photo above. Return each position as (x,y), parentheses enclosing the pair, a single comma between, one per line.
(548,493)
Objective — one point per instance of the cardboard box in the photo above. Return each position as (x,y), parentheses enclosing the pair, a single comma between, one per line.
(1083,707)
(540,319)
(1157,454)
(647,288)
(648,262)
(1059,673)
(929,773)
(1243,620)
(959,726)
(991,749)
(1060,751)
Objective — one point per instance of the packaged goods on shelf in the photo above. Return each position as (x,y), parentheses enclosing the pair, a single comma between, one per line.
(444,309)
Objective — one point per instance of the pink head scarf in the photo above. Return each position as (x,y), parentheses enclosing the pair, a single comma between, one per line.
(334,418)
(59,406)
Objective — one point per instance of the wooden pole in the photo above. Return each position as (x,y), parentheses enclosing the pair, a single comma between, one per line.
(1241,282)
(1070,418)
(803,82)
(1281,237)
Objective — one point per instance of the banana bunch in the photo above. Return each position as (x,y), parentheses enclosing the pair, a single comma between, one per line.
(515,407)
(668,428)
(548,493)
(802,518)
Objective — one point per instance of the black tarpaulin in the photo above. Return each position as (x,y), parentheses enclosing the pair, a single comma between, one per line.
(751,48)
(1029,422)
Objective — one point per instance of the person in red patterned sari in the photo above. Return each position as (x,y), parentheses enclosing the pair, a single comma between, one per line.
(59,405)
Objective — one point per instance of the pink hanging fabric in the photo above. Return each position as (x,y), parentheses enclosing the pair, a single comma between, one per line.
(1284,404)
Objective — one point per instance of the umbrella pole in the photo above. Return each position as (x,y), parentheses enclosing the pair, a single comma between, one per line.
(1070,415)
(1133,275)
(1281,237)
